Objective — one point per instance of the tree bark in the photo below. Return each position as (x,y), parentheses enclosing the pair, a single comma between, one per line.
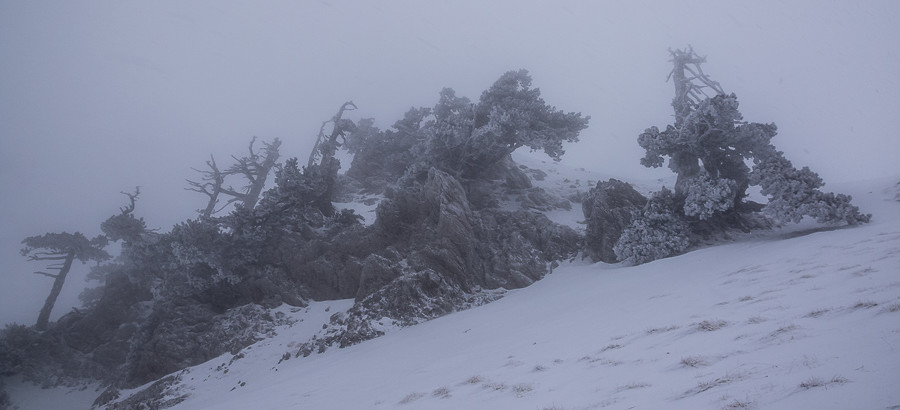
(44,317)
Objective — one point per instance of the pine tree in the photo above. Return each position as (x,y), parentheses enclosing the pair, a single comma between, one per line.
(61,249)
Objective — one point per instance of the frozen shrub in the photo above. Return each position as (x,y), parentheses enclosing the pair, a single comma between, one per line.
(656,233)
(794,193)
(704,196)
(812,382)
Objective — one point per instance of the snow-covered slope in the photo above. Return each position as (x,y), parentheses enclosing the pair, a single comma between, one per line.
(795,318)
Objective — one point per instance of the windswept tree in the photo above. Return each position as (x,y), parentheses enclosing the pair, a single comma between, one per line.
(61,250)
(124,225)
(465,138)
(709,146)
(322,167)
(254,168)
(210,184)
(326,145)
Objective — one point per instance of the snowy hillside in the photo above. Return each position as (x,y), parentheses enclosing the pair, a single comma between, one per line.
(801,317)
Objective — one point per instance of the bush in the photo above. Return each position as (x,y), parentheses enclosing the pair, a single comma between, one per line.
(658,232)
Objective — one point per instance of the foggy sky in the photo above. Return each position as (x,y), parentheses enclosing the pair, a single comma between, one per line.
(98,97)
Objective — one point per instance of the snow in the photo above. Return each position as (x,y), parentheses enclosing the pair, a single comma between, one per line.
(800,317)
(31,396)
(363,206)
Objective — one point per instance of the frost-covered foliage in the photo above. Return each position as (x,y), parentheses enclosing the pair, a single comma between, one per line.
(707,148)
(438,254)
(380,158)
(704,196)
(794,193)
(657,232)
(464,138)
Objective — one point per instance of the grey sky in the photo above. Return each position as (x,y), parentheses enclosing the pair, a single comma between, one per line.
(97,97)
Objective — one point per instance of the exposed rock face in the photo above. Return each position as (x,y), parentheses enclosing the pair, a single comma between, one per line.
(608,211)
(162,394)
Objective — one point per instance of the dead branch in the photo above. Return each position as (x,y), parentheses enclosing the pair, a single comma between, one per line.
(326,146)
(131,198)
(210,185)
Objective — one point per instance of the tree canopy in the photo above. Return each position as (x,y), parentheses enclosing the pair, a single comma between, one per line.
(466,138)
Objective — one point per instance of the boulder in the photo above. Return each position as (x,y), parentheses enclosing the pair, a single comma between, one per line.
(608,209)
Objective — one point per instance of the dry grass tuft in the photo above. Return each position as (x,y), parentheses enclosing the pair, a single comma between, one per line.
(474,379)
(864,305)
(817,313)
(632,386)
(711,325)
(693,361)
(611,347)
(522,389)
(411,398)
(441,392)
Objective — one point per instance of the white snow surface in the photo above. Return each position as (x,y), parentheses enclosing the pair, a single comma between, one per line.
(799,317)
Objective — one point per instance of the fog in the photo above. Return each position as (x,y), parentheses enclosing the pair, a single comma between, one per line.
(99,97)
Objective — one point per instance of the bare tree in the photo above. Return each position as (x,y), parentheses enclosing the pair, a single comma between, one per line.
(255,168)
(61,250)
(210,184)
(325,147)
(690,82)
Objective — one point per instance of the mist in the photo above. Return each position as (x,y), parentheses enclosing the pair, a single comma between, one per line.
(99,97)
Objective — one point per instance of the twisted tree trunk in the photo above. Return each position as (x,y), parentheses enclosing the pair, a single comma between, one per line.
(60,279)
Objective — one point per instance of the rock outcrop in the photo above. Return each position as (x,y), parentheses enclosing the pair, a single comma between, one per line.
(608,209)
(444,256)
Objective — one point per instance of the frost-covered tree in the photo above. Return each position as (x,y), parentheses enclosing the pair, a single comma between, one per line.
(61,249)
(710,145)
(381,157)
(466,138)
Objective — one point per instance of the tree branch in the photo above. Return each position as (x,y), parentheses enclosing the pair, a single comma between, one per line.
(37,257)
(131,198)
(323,148)
(232,192)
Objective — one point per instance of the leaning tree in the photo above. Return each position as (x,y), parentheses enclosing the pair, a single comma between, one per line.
(254,168)
(711,149)
(61,250)
(710,146)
